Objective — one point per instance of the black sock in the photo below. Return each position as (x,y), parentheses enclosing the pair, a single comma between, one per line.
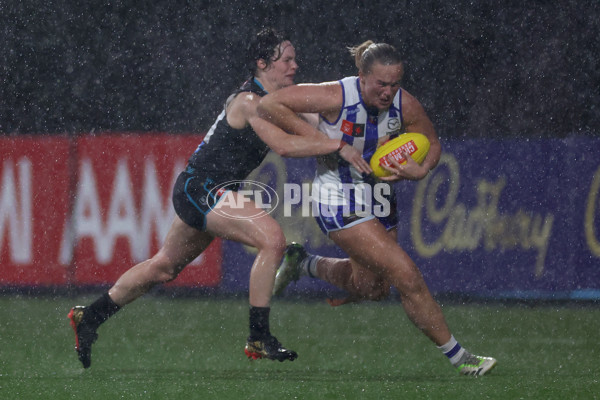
(99,311)
(259,322)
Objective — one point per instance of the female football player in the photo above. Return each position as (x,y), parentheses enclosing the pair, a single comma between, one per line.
(236,144)
(364,111)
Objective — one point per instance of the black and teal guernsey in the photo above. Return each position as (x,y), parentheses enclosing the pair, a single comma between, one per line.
(225,155)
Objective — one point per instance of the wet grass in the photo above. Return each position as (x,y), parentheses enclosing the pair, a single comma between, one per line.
(161,348)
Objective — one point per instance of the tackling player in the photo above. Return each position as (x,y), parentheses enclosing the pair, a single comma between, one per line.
(235,145)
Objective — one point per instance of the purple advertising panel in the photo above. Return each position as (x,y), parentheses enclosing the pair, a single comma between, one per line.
(513,218)
(496,218)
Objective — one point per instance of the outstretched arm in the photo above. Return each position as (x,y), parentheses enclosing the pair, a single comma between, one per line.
(292,145)
(283,106)
(243,110)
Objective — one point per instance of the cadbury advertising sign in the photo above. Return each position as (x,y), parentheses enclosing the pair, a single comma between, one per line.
(513,218)
(503,219)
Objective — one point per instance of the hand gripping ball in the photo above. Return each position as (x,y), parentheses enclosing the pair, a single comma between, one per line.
(416,144)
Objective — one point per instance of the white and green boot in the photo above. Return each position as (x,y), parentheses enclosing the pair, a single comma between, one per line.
(476,365)
(290,269)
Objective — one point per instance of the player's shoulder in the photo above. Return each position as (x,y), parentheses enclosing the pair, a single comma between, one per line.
(244,103)
(406,95)
(410,103)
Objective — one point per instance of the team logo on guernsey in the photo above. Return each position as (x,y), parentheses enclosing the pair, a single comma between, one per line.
(352,129)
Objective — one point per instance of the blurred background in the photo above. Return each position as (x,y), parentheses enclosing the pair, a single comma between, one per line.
(481,69)
(102,103)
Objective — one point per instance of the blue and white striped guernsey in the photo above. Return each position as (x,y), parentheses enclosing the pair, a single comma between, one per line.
(361,129)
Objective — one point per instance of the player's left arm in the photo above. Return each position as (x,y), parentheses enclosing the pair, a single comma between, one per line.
(416,120)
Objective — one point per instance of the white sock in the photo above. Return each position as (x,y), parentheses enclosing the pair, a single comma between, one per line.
(453,350)
(308,266)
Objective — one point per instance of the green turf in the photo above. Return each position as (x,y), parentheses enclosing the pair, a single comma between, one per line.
(161,348)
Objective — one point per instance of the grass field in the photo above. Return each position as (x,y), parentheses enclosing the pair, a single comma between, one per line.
(162,348)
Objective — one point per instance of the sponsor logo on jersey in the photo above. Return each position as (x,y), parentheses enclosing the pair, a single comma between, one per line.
(352,129)
(394,126)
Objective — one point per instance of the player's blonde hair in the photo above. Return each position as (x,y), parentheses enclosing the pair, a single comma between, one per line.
(369,52)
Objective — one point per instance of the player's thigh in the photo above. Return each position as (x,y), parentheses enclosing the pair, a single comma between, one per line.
(244,222)
(371,246)
(183,243)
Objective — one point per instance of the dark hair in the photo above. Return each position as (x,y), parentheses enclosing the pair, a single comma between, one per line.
(264,46)
(367,53)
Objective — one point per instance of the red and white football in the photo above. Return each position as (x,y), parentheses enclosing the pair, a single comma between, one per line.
(415,144)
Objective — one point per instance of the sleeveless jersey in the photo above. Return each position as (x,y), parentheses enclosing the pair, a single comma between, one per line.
(226,153)
(360,127)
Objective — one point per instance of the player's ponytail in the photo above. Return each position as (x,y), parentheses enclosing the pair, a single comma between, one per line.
(369,52)
(357,52)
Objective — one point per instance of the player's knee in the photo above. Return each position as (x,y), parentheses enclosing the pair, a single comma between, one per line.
(165,275)
(374,290)
(274,242)
(163,270)
(380,292)
(411,283)
(277,247)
